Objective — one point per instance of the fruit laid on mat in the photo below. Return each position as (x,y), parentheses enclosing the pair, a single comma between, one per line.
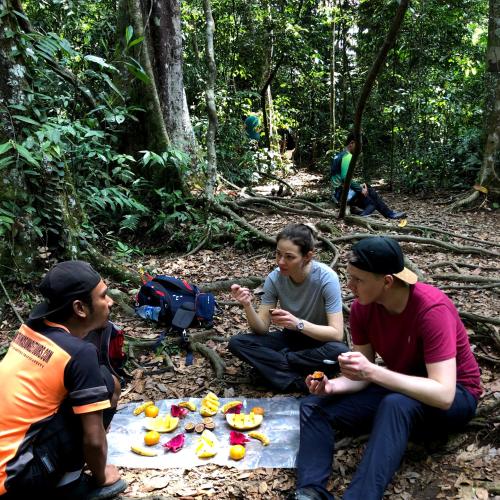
(175,444)
(244,421)
(258,410)
(151,438)
(178,411)
(207,445)
(143,452)
(142,407)
(260,436)
(232,407)
(161,424)
(151,411)
(236,437)
(236,451)
(188,404)
(189,427)
(209,405)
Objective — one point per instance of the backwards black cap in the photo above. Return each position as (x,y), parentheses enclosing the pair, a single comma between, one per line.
(382,255)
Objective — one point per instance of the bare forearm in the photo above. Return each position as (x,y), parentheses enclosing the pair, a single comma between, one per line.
(343,385)
(323,333)
(428,391)
(257,325)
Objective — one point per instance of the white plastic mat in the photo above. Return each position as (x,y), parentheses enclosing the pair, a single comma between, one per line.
(281,425)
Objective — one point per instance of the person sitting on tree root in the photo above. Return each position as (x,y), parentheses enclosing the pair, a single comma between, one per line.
(57,401)
(430,384)
(362,196)
(310,315)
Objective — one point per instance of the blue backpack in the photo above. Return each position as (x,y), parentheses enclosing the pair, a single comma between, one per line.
(180,303)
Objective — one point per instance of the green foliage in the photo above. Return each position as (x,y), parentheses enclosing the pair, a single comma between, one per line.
(423,121)
(235,159)
(424,110)
(175,211)
(423,117)
(243,240)
(107,204)
(125,253)
(7,217)
(63,148)
(172,157)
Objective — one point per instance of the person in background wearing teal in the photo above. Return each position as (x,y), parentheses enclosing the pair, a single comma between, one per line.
(362,196)
(252,123)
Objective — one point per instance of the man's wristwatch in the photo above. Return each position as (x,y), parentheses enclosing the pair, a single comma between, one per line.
(300,325)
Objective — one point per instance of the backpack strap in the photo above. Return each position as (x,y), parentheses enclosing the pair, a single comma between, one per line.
(336,166)
(101,339)
(172,283)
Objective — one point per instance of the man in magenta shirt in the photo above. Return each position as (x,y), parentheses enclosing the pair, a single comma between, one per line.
(429,380)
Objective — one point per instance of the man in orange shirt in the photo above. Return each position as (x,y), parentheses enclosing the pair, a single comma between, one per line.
(56,399)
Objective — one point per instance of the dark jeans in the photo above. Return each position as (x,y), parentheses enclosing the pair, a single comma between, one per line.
(285,358)
(368,203)
(390,416)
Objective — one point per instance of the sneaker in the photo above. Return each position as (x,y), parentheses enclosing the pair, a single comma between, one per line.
(306,494)
(397,215)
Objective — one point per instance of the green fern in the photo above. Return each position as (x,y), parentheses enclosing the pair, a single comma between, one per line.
(130,222)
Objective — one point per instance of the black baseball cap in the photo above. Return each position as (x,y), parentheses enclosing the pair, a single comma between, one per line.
(64,283)
(382,255)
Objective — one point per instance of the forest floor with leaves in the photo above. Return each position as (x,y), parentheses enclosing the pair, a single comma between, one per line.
(467,466)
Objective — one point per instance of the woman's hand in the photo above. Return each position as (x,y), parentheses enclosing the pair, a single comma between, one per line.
(355,366)
(284,319)
(364,189)
(242,295)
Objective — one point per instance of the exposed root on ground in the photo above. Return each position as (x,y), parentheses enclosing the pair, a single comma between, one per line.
(279,180)
(215,360)
(374,224)
(464,202)
(225,285)
(109,267)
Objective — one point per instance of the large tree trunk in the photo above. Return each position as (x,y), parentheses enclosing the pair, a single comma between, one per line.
(210,98)
(488,176)
(17,242)
(333,82)
(488,180)
(156,136)
(166,36)
(167,122)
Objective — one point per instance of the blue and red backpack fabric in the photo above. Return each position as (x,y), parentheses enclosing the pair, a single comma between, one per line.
(182,304)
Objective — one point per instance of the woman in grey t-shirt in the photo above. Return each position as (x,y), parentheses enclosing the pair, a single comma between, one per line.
(309,314)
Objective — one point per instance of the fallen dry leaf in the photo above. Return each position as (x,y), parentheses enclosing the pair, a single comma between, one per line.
(155,483)
(262,487)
